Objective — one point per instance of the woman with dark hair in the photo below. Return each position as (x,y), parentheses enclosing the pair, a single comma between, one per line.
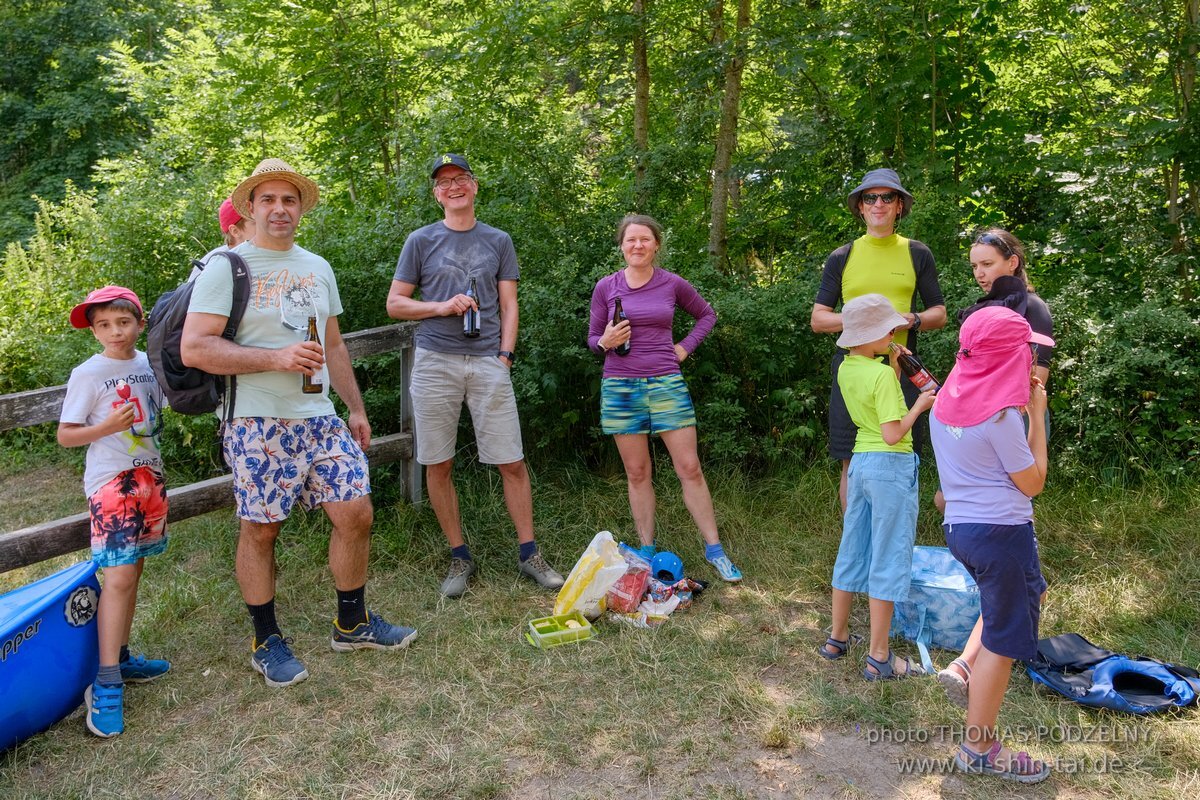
(998,263)
(643,392)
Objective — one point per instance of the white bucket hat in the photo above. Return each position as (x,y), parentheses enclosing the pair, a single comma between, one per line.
(867,318)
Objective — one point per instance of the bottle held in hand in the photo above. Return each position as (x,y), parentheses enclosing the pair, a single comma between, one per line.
(911,366)
(315,383)
(471,315)
(619,316)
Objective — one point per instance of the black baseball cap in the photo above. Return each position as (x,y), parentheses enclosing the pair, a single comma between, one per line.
(448,160)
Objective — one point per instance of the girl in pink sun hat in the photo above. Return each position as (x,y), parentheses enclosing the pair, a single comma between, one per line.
(990,468)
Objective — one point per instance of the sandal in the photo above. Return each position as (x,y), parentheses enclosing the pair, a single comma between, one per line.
(886,670)
(1022,767)
(956,685)
(838,644)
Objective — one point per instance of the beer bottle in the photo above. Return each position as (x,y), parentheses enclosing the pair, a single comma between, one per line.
(315,383)
(471,315)
(911,366)
(618,317)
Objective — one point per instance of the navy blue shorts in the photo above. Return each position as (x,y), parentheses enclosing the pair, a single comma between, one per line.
(1003,560)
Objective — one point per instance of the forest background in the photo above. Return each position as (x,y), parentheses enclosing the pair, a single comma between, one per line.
(741,125)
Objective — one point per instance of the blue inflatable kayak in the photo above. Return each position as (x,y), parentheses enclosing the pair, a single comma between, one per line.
(48,650)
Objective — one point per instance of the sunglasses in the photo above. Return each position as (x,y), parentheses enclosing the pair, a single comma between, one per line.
(887,197)
(992,240)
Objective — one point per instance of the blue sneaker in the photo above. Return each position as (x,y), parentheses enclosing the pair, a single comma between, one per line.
(105,710)
(274,659)
(725,569)
(139,669)
(647,551)
(374,634)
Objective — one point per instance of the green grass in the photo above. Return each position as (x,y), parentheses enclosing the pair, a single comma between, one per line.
(728,700)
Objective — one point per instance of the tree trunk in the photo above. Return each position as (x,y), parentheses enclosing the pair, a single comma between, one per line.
(641,106)
(726,143)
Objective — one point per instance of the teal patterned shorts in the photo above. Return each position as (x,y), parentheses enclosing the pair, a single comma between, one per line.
(645,405)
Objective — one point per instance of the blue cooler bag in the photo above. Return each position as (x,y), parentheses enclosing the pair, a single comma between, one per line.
(49,650)
(942,605)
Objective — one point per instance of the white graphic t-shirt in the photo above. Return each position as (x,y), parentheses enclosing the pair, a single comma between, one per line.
(92,393)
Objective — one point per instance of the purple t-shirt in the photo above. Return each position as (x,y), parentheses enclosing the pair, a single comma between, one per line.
(651,312)
(974,464)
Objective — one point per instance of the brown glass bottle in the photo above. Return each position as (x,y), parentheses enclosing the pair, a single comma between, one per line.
(618,316)
(315,383)
(911,366)
(471,315)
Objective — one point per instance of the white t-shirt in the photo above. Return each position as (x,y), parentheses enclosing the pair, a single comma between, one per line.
(91,397)
(285,286)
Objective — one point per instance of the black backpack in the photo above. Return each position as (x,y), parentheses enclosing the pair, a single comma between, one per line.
(190,390)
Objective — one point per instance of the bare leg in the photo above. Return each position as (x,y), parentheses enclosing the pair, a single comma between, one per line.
(518,496)
(975,644)
(840,630)
(635,457)
(141,563)
(350,541)
(255,563)
(881,624)
(112,617)
(439,487)
(989,680)
(681,444)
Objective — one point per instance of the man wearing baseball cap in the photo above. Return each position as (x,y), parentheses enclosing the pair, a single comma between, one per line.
(442,261)
(287,447)
(883,262)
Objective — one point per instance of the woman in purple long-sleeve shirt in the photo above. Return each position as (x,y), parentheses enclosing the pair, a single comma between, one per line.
(643,392)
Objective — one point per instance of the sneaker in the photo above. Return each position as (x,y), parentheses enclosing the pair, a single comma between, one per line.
(105,710)
(139,669)
(455,585)
(536,567)
(274,659)
(726,569)
(374,634)
(647,551)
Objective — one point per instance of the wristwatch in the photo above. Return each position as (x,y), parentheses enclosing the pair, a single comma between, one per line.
(915,325)
(509,354)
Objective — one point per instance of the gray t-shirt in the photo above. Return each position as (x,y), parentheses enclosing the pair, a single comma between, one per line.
(286,287)
(441,262)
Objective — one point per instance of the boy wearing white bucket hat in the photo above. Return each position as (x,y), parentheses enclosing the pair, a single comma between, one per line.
(879,526)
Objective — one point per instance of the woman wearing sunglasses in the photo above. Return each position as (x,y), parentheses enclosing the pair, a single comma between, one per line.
(990,467)
(879,262)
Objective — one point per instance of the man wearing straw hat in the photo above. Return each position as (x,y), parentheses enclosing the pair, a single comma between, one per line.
(287,447)
(880,261)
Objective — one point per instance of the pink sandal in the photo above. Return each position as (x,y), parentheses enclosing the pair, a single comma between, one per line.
(1022,767)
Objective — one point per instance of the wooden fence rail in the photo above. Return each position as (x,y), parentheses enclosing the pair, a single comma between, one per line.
(36,543)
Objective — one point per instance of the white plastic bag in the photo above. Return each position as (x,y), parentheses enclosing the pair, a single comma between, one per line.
(600,566)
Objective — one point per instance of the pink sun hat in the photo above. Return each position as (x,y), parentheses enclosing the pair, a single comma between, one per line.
(992,367)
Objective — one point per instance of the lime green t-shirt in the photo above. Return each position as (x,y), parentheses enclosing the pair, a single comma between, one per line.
(882,266)
(873,396)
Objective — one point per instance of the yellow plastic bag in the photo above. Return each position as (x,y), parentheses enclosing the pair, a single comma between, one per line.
(600,566)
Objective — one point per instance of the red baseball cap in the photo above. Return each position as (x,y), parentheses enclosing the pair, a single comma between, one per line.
(107,294)
(227,215)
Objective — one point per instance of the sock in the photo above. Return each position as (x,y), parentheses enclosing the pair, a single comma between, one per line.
(647,551)
(462,551)
(124,653)
(352,608)
(713,551)
(527,549)
(109,675)
(265,625)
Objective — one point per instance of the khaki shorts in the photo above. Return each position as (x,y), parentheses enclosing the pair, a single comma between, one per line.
(440,383)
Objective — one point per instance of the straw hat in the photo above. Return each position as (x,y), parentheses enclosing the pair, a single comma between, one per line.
(275,169)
